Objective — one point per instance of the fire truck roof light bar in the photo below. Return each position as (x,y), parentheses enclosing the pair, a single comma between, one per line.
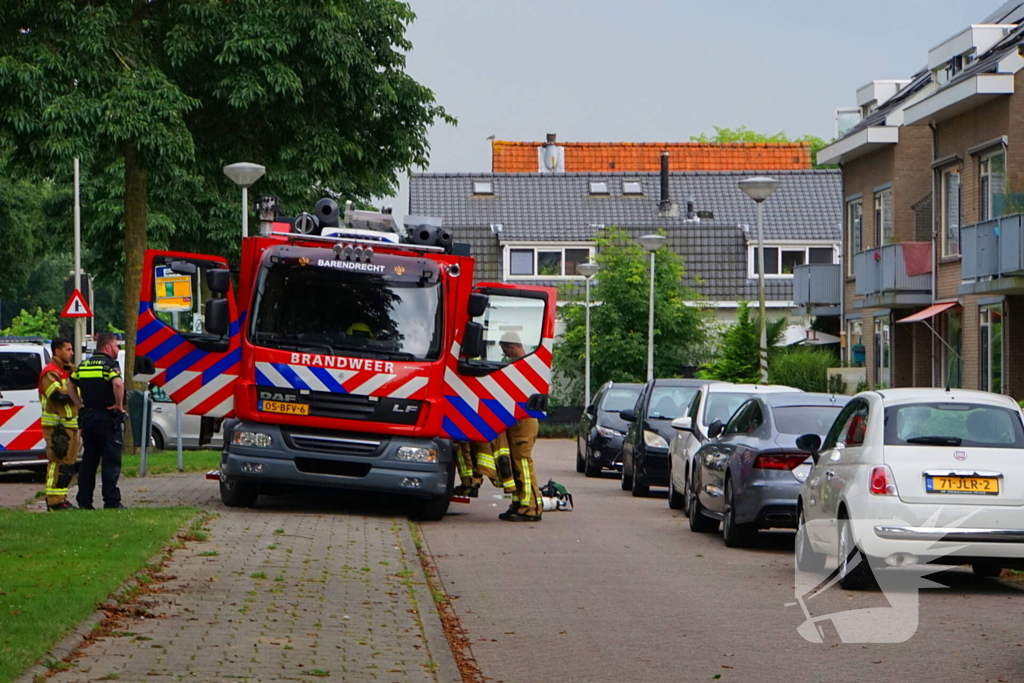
(293,237)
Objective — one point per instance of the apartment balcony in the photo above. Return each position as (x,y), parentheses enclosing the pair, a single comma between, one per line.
(817,287)
(992,256)
(894,276)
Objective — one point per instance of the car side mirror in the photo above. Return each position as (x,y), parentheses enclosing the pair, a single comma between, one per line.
(811,443)
(218,317)
(218,280)
(477,304)
(683,424)
(591,410)
(473,340)
(715,429)
(628,415)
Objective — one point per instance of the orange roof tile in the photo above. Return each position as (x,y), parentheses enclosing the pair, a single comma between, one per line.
(590,157)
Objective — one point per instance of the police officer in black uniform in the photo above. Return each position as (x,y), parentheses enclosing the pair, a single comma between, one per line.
(101,421)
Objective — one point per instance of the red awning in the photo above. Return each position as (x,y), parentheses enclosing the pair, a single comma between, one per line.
(929,312)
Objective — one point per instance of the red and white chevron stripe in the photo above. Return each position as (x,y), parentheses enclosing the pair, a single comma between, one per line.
(21,429)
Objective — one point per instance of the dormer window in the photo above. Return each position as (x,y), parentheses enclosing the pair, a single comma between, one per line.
(598,187)
(632,187)
(483,187)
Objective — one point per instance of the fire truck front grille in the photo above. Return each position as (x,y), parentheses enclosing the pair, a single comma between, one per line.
(333,443)
(334,467)
(340,406)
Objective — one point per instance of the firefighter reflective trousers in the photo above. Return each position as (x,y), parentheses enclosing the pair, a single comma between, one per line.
(521,437)
(62,447)
(103,436)
(477,460)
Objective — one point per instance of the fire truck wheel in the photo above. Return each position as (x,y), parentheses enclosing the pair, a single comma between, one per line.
(436,508)
(236,493)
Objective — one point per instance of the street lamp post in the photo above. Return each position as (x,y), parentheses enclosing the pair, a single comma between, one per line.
(651,243)
(759,189)
(244,174)
(588,270)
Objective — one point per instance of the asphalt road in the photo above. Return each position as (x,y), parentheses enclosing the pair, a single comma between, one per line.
(621,590)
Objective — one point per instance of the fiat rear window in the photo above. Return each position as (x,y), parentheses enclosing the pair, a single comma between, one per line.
(953,424)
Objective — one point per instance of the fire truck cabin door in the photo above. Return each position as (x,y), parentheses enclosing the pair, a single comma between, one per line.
(188,341)
(511,377)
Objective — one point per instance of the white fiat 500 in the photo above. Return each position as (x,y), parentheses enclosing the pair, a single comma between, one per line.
(907,476)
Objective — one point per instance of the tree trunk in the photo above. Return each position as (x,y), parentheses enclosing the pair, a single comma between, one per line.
(135,222)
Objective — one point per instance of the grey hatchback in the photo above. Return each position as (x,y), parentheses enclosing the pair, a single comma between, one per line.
(749,477)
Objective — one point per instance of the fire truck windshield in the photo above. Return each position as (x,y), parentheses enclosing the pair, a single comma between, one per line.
(303,307)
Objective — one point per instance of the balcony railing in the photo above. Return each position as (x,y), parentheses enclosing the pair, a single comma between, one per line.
(882,276)
(992,249)
(817,285)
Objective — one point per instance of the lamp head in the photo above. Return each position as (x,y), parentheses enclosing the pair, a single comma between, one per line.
(588,269)
(760,188)
(244,174)
(652,242)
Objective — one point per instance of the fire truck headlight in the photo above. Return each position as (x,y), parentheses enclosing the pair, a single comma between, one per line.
(257,439)
(357,253)
(414,454)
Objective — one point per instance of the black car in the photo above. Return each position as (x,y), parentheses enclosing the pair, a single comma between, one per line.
(645,449)
(602,429)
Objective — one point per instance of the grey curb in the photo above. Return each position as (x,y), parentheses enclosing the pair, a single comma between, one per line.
(71,642)
(437,641)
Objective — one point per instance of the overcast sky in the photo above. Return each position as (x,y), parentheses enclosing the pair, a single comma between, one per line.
(658,70)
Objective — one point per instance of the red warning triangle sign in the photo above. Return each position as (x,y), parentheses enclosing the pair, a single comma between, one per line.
(76,307)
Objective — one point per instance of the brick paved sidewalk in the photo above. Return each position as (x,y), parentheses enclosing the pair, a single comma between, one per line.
(297,589)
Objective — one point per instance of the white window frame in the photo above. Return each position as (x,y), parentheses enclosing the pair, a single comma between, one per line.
(986,198)
(784,246)
(600,188)
(944,207)
(483,187)
(883,213)
(508,247)
(630,192)
(850,228)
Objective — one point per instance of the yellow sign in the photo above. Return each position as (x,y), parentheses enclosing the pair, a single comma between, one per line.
(173,291)
(969,485)
(284,408)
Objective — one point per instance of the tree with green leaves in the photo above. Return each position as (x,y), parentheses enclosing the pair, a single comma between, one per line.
(743,134)
(155,97)
(41,323)
(619,321)
(738,358)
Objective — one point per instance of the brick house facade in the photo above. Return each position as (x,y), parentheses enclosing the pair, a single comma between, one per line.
(939,151)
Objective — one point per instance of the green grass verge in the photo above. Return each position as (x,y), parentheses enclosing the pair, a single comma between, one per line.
(55,568)
(162,462)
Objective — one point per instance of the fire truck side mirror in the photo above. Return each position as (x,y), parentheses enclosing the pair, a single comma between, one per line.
(218,280)
(473,340)
(218,317)
(183,268)
(478,304)
(144,366)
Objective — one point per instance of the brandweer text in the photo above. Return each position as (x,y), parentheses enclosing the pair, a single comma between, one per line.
(343,363)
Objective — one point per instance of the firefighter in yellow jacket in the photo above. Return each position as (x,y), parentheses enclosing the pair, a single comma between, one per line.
(478,460)
(60,424)
(527,504)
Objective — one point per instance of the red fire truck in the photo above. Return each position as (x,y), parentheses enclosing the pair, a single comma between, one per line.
(343,352)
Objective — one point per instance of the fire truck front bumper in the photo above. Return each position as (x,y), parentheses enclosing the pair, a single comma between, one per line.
(293,456)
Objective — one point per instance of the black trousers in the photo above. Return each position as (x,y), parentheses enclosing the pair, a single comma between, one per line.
(103,437)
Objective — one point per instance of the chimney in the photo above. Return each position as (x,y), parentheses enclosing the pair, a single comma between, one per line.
(549,157)
(666,204)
